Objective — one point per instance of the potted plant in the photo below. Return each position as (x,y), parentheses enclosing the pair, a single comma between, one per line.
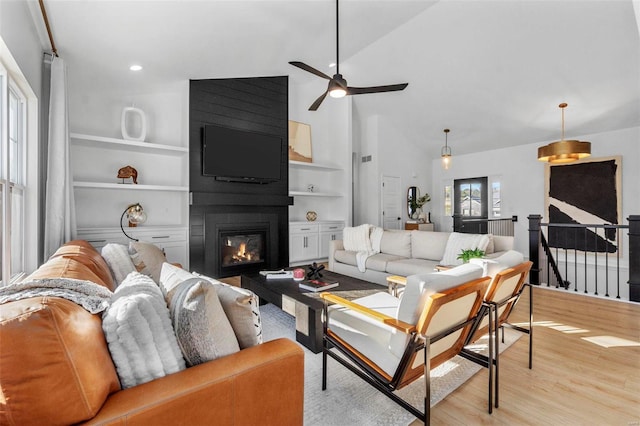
(416,203)
(465,255)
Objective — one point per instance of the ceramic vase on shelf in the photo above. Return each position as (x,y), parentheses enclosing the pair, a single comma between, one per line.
(133,124)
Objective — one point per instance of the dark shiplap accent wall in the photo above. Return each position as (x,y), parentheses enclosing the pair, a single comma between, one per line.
(257,104)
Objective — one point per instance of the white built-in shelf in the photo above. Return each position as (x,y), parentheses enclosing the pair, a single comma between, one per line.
(135,187)
(119,143)
(313,194)
(312,166)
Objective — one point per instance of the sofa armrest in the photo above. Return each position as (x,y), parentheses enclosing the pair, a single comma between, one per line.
(262,385)
(333,247)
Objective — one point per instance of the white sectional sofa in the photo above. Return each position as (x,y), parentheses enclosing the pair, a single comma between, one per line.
(411,252)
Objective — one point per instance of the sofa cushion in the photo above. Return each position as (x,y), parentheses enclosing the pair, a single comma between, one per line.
(396,242)
(356,238)
(119,261)
(55,365)
(458,241)
(380,261)
(428,245)
(346,257)
(66,267)
(138,330)
(243,311)
(83,252)
(240,305)
(148,258)
(201,326)
(406,267)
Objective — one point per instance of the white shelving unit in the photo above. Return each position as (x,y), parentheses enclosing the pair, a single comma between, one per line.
(162,188)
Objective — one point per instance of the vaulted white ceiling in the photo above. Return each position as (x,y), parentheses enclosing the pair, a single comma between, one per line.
(492,71)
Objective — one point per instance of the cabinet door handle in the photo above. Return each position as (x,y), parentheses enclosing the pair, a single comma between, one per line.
(161,236)
(96,241)
(333,227)
(305,229)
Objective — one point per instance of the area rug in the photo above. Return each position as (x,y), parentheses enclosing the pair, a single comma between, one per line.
(348,399)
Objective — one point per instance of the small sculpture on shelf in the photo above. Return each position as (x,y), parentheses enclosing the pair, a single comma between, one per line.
(128,172)
(314,271)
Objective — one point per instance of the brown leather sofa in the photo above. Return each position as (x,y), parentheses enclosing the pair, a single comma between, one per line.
(55,368)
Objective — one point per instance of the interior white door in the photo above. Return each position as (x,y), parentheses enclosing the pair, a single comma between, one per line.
(391,202)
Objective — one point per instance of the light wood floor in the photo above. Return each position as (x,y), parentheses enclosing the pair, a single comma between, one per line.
(573,381)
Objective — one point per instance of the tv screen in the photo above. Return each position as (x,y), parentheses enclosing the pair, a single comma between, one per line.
(240,155)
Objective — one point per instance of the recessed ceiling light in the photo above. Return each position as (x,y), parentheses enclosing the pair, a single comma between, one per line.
(135,67)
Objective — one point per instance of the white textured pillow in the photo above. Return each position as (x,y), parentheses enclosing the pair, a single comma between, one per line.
(241,307)
(356,238)
(119,261)
(138,330)
(203,330)
(458,242)
(147,258)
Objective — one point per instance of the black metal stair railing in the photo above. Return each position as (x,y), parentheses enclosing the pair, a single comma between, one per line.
(586,257)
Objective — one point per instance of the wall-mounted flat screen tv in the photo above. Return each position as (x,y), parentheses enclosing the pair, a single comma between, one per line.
(236,155)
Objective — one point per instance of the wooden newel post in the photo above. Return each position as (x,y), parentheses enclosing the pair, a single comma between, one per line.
(634,258)
(534,247)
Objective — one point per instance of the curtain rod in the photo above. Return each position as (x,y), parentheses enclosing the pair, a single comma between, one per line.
(46,23)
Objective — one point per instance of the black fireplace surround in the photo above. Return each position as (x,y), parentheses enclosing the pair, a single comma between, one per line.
(218,208)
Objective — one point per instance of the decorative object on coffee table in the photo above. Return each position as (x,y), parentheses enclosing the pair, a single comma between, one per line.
(314,271)
(311,215)
(128,172)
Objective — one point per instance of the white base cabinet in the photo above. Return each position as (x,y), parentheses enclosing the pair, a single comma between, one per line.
(309,241)
(172,240)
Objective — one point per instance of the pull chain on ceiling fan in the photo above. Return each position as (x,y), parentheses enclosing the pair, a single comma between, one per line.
(337,86)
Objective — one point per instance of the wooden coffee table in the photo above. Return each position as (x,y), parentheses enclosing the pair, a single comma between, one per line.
(306,306)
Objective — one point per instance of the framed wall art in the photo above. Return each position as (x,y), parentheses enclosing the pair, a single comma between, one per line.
(585,192)
(300,142)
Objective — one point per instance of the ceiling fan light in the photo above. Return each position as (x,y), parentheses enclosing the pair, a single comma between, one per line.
(337,92)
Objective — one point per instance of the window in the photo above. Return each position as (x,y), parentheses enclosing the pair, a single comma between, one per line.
(495,198)
(13,125)
(448,211)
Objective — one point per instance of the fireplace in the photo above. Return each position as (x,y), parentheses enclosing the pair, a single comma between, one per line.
(241,249)
(237,243)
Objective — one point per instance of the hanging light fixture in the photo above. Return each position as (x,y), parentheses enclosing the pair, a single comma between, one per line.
(445,153)
(564,151)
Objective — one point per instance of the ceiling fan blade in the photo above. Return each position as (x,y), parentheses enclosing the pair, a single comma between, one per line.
(314,106)
(376,89)
(310,69)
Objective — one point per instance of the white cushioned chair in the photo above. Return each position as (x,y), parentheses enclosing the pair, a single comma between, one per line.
(390,342)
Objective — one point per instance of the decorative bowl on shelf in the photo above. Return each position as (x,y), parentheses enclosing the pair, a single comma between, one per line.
(311,215)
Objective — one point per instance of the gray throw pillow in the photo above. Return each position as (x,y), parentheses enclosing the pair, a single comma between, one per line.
(201,325)
(119,261)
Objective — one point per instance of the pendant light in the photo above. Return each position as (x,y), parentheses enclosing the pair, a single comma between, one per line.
(564,151)
(445,153)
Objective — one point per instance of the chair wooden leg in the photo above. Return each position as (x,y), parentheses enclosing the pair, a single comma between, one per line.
(427,381)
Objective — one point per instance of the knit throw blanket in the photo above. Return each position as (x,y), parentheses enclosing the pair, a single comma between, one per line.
(91,296)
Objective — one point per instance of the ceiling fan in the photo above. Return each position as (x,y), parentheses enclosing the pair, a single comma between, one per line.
(338,87)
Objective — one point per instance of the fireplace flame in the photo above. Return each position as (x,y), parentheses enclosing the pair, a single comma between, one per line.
(242,254)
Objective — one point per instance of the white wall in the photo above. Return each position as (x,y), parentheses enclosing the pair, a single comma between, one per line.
(522,177)
(393,153)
